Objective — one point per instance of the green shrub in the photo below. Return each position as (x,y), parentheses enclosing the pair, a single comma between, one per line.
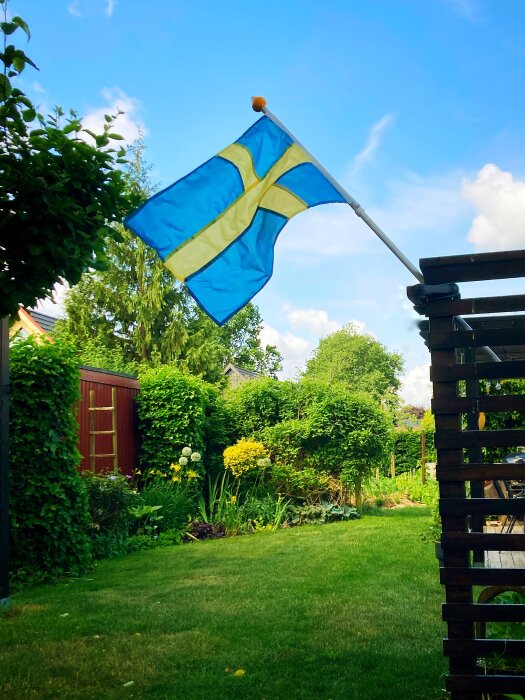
(260,403)
(304,485)
(349,435)
(245,458)
(176,501)
(407,450)
(48,502)
(109,499)
(286,442)
(404,487)
(323,512)
(174,410)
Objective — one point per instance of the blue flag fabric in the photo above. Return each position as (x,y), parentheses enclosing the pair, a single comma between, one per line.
(216,228)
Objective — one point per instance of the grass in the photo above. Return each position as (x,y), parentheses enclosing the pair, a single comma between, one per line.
(347,610)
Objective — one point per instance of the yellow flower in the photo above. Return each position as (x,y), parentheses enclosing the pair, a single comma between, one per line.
(176,467)
(191,474)
(137,471)
(173,466)
(239,673)
(151,471)
(233,499)
(175,478)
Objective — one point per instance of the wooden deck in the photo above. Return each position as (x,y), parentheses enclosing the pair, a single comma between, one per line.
(505,560)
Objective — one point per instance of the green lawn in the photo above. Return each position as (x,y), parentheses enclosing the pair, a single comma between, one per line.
(348,610)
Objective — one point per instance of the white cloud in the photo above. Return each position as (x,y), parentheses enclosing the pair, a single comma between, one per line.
(294,349)
(74,9)
(372,143)
(38,88)
(315,320)
(500,203)
(467,9)
(126,124)
(416,388)
(419,203)
(85,8)
(332,230)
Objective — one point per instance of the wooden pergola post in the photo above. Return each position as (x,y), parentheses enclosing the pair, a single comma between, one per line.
(459,360)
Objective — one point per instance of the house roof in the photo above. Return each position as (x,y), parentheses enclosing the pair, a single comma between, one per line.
(47,323)
(230,367)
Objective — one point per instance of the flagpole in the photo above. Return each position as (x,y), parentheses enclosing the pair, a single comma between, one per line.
(358,209)
(259,105)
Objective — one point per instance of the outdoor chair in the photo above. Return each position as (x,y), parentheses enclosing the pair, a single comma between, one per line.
(507,489)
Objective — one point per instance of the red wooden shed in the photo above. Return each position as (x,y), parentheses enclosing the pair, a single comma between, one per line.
(108,431)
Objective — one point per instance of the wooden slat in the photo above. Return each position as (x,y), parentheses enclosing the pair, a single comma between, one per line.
(487,404)
(452,371)
(507,684)
(487,541)
(483,612)
(496,323)
(469,268)
(482,506)
(481,472)
(483,305)
(451,439)
(484,647)
(474,339)
(480,576)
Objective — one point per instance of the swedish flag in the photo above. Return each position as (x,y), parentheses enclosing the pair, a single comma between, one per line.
(216,228)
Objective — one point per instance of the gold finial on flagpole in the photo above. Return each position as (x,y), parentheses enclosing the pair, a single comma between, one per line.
(258,104)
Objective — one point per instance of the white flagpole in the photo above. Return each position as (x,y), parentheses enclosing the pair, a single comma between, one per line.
(358,209)
(259,105)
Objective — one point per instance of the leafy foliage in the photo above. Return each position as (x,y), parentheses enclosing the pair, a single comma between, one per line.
(245,456)
(323,512)
(58,193)
(287,442)
(260,403)
(109,499)
(304,485)
(349,435)
(358,361)
(48,504)
(508,420)
(407,450)
(176,501)
(175,410)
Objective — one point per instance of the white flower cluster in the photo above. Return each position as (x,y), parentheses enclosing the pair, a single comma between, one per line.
(187,452)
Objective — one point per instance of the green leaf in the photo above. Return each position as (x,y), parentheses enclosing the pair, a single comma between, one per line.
(5,87)
(29,114)
(19,61)
(117,137)
(8,27)
(22,24)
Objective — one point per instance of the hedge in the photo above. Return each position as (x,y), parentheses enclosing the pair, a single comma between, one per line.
(48,502)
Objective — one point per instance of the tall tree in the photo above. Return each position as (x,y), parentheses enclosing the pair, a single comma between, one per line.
(358,361)
(135,312)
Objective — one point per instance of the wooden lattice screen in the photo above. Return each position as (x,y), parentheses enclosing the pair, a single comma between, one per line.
(476,558)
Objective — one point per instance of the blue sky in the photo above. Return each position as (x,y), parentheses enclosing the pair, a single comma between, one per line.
(416,107)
